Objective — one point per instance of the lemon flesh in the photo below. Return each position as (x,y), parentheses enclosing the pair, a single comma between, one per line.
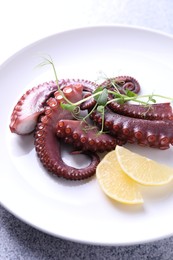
(142,169)
(115,183)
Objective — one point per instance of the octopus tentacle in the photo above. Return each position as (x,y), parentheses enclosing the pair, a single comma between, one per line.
(88,85)
(31,104)
(29,107)
(49,152)
(123,83)
(152,112)
(40,109)
(85,137)
(153,133)
(89,104)
(47,144)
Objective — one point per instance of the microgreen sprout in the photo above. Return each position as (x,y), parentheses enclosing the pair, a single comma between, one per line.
(100,95)
(48,61)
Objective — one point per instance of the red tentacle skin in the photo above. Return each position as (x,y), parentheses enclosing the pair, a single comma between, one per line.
(31,104)
(152,112)
(47,144)
(85,137)
(88,86)
(29,107)
(40,110)
(88,104)
(153,133)
(122,83)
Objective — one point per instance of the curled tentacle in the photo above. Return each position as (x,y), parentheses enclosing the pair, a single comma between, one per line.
(48,149)
(85,137)
(122,83)
(47,144)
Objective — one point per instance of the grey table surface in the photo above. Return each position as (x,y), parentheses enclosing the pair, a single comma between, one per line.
(21,241)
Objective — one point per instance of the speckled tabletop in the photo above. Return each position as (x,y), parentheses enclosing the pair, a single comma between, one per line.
(24,22)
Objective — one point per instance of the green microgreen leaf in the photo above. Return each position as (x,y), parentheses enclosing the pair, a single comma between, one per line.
(103,97)
(120,100)
(100,109)
(68,107)
(98,90)
(151,99)
(117,95)
(130,93)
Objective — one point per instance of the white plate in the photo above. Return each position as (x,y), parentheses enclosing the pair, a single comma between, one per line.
(74,210)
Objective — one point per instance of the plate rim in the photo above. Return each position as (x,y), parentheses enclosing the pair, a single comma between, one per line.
(67,31)
(94,26)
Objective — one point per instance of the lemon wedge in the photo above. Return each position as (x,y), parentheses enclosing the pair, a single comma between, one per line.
(142,169)
(115,183)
